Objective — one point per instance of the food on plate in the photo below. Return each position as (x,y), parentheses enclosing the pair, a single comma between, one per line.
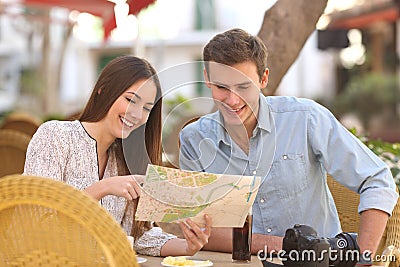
(183,261)
(178,261)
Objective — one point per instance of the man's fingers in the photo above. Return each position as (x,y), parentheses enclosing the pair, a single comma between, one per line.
(208,220)
(187,232)
(190,236)
(194,227)
(201,236)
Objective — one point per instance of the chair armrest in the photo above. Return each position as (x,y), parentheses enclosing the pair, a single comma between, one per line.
(391,251)
(390,257)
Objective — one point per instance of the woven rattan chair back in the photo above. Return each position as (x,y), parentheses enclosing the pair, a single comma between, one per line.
(13,145)
(44,222)
(21,122)
(390,242)
(347,201)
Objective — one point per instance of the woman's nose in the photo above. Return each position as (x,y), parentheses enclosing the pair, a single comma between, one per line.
(136,112)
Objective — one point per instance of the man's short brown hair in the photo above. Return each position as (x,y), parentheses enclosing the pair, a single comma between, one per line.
(236,46)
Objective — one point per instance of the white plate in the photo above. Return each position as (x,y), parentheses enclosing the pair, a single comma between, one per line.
(140,259)
(196,263)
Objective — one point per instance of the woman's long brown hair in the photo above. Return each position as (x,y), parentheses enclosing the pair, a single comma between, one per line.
(143,145)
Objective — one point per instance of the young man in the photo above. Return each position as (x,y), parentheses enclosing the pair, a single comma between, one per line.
(291,143)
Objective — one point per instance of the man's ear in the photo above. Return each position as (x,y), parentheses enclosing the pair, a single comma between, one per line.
(206,78)
(264,79)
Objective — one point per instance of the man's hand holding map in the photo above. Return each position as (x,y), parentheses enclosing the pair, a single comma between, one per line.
(170,195)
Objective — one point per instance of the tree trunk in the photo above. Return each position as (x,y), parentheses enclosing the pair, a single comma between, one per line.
(47,92)
(52,63)
(285,29)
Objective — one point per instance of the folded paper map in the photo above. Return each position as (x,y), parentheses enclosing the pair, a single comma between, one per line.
(170,195)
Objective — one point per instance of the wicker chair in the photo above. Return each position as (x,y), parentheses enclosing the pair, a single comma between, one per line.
(49,223)
(13,145)
(21,122)
(347,205)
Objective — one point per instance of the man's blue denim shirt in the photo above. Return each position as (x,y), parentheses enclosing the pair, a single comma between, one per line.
(294,145)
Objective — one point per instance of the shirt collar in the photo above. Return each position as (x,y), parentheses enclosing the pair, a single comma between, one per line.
(221,134)
(264,115)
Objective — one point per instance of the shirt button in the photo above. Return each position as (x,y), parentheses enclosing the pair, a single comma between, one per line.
(254,172)
(284,156)
(269,230)
(262,200)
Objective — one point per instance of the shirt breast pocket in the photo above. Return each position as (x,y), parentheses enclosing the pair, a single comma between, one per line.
(288,173)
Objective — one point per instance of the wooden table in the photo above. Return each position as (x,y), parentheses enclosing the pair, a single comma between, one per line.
(218,258)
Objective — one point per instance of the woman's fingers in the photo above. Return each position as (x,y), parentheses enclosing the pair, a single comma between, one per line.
(138,178)
(133,186)
(124,186)
(133,189)
(126,194)
(137,188)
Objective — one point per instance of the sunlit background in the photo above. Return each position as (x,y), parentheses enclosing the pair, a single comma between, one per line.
(51,58)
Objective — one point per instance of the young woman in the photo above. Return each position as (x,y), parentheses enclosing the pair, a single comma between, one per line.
(95,154)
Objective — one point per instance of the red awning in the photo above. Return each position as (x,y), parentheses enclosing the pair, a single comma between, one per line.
(100,8)
(364,16)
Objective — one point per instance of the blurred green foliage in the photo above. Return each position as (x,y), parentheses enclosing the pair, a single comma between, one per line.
(176,108)
(369,94)
(31,82)
(50,117)
(3,115)
(388,152)
(177,101)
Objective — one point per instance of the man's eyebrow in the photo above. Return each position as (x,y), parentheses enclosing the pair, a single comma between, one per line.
(140,98)
(244,83)
(219,84)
